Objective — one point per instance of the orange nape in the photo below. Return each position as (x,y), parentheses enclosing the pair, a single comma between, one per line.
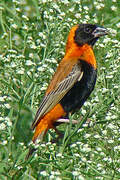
(47,121)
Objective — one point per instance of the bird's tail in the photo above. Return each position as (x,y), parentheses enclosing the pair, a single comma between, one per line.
(40,130)
(47,122)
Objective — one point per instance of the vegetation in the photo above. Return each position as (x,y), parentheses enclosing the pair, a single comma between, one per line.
(32,42)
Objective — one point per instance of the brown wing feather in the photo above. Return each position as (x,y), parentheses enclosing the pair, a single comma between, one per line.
(63,70)
(59,91)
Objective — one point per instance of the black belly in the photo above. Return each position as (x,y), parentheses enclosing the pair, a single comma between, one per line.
(81,90)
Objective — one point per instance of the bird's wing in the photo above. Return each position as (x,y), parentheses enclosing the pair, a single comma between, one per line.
(56,91)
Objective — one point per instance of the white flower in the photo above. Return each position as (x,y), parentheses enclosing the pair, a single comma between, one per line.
(77,155)
(79,143)
(99,166)
(118,25)
(4,142)
(71,9)
(20,71)
(86,8)
(106,40)
(112,31)
(52,177)
(33,46)
(80,177)
(87,17)
(98,149)
(51,70)
(117,148)
(118,170)
(18,9)
(29,63)
(44,1)
(42,45)
(80,130)
(25,17)
(83,111)
(2,99)
(99,6)
(97,136)
(86,148)
(83,159)
(31,55)
(43,88)
(1,8)
(59,155)
(62,14)
(113,117)
(49,143)
(22,144)
(2,126)
(43,145)
(96,99)
(114,8)
(29,73)
(77,2)
(109,76)
(104,132)
(104,90)
(44,173)
(14,26)
(58,178)
(87,135)
(110,141)
(111,126)
(7,106)
(102,153)
(9,123)
(25,27)
(105,159)
(65,2)
(1,118)
(73,145)
(40,69)
(78,15)
(108,117)
(75,173)
(42,35)
(13,65)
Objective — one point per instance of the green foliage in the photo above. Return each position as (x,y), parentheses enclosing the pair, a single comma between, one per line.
(32,43)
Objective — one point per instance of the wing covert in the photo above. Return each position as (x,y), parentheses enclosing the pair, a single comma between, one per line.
(54,97)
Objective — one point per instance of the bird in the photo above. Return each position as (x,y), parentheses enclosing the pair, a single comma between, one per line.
(73,81)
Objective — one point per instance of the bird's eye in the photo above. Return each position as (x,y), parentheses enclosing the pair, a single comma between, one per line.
(87,30)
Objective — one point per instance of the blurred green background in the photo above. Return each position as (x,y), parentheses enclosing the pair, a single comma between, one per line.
(33,35)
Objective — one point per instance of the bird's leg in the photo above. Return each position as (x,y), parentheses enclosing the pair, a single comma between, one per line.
(73,121)
(30,152)
(67,121)
(60,135)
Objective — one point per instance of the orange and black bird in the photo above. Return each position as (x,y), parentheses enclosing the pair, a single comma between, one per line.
(73,81)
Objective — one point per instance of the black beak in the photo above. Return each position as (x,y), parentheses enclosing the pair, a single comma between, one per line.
(99,31)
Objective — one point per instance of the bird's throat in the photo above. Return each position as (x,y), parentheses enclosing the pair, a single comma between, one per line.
(84,53)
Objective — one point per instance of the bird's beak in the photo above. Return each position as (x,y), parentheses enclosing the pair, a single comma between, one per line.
(99,31)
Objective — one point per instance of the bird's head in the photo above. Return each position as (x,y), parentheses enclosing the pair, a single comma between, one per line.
(88,33)
(80,41)
(84,34)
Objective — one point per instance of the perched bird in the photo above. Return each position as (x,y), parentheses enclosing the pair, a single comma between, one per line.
(73,81)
